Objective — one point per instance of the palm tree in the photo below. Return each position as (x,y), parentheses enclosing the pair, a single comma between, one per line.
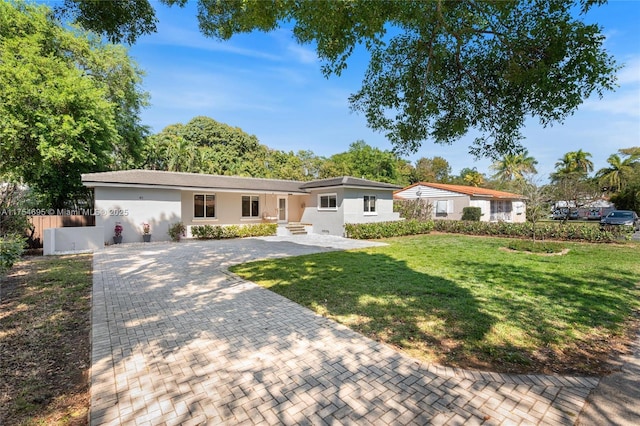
(573,164)
(182,155)
(582,162)
(616,175)
(514,167)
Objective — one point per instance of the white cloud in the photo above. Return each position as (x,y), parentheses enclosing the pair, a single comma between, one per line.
(630,74)
(171,35)
(302,54)
(627,103)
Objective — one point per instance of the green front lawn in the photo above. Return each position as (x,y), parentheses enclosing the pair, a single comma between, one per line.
(466,301)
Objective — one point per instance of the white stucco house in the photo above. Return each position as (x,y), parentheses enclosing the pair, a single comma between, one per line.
(159,198)
(449,200)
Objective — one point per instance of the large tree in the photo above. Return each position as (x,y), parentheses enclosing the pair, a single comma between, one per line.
(365,161)
(435,169)
(70,104)
(438,68)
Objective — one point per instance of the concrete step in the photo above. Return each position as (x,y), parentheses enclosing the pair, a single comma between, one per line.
(296,229)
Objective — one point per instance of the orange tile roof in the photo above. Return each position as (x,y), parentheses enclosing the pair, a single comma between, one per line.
(468,190)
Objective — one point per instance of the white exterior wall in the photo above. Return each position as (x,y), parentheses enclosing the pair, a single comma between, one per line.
(134,206)
(350,209)
(455,201)
(459,201)
(519,211)
(73,239)
(354,206)
(485,208)
(325,221)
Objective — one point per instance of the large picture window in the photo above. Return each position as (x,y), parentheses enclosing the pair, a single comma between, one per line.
(204,206)
(327,202)
(369,203)
(250,206)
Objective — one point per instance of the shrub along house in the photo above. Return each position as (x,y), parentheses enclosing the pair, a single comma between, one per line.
(449,200)
(159,198)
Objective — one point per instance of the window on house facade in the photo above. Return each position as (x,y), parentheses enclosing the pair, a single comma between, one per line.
(369,203)
(327,202)
(250,206)
(204,206)
(442,207)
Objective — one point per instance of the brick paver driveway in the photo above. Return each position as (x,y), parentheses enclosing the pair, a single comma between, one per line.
(179,340)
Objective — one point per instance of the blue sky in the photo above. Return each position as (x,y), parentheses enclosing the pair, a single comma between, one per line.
(271,87)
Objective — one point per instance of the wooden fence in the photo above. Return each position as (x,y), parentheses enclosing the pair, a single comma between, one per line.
(40,223)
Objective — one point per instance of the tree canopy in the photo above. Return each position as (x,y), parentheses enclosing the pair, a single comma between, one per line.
(435,169)
(70,103)
(438,69)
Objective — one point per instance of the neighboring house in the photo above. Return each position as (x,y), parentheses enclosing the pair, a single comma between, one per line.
(590,210)
(134,197)
(449,200)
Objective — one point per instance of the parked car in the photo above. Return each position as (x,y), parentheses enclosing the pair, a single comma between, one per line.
(621,217)
(594,214)
(562,213)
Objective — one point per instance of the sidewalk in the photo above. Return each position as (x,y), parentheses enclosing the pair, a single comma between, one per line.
(616,399)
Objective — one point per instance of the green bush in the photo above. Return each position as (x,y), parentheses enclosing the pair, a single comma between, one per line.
(544,231)
(471,213)
(536,246)
(218,232)
(418,209)
(176,231)
(11,248)
(370,231)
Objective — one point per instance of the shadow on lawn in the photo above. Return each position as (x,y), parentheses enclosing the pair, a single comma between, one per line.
(573,320)
(382,298)
(177,339)
(538,301)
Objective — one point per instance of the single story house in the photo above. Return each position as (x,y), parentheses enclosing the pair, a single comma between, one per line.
(159,198)
(449,200)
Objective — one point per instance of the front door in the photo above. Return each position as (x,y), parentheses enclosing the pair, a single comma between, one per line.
(282,209)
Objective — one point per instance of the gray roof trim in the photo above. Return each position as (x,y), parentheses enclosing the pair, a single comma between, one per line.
(190,188)
(199,182)
(190,181)
(348,181)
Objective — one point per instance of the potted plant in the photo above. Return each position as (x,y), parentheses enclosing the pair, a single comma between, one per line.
(117,233)
(146,232)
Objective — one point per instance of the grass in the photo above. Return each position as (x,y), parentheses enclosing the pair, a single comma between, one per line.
(44,341)
(462,301)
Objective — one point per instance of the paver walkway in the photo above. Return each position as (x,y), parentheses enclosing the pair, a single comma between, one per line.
(179,340)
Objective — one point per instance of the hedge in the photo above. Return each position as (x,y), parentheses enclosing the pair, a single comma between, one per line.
(11,248)
(217,232)
(550,231)
(545,231)
(471,213)
(371,231)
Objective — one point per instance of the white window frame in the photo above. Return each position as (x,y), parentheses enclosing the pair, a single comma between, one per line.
(204,216)
(329,196)
(447,207)
(367,199)
(251,199)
